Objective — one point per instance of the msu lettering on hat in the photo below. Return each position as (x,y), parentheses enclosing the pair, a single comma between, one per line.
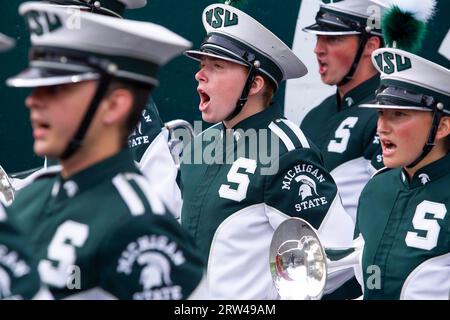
(344,17)
(106,7)
(409,82)
(235,36)
(5,42)
(69,48)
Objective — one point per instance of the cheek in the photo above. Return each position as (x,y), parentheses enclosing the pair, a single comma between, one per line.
(413,135)
(344,58)
(342,55)
(230,90)
(233,85)
(69,115)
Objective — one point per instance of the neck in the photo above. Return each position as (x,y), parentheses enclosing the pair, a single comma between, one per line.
(435,154)
(362,74)
(90,153)
(251,107)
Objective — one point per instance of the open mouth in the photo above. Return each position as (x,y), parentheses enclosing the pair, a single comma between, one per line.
(323,67)
(39,128)
(388,146)
(204,100)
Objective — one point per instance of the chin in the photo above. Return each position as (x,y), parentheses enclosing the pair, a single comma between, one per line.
(209,119)
(393,163)
(39,150)
(44,151)
(327,81)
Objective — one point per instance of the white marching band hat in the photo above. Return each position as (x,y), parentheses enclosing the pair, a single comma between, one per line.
(235,36)
(106,7)
(68,49)
(410,82)
(347,17)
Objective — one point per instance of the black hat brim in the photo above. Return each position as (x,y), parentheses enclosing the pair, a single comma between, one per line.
(197,55)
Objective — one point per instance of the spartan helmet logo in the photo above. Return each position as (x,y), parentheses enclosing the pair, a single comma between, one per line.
(156,270)
(307,186)
(424,178)
(137,130)
(5,284)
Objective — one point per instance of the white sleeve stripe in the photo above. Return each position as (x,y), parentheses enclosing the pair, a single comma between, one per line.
(337,227)
(2,213)
(128,195)
(283,136)
(298,132)
(155,203)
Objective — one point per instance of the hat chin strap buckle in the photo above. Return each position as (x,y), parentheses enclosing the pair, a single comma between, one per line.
(254,66)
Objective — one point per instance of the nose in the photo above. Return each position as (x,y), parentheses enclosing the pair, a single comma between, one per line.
(200,76)
(34,99)
(319,49)
(383,124)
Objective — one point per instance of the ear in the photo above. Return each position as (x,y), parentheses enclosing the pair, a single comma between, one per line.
(118,105)
(257,85)
(443,128)
(373,43)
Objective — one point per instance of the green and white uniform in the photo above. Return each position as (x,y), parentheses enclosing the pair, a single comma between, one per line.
(103,233)
(148,143)
(150,149)
(19,278)
(346,136)
(406,230)
(232,207)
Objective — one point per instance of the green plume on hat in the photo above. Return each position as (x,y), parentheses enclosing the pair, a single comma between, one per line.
(235,3)
(404,24)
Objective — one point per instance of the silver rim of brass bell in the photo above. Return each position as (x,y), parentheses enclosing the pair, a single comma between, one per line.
(297,261)
(178,128)
(6,188)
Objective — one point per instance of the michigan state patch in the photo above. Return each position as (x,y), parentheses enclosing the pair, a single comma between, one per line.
(305,180)
(151,261)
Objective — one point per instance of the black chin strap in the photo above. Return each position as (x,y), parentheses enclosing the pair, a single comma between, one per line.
(254,65)
(77,140)
(437,115)
(351,71)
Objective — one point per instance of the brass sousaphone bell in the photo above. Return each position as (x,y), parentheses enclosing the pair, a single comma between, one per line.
(297,261)
(6,188)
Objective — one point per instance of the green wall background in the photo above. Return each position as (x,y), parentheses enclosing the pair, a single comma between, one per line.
(176,96)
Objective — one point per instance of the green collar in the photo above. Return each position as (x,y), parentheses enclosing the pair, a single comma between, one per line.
(94,175)
(359,93)
(429,173)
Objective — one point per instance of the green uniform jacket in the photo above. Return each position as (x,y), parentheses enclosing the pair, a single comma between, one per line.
(19,278)
(406,230)
(103,233)
(346,135)
(148,128)
(265,170)
(148,143)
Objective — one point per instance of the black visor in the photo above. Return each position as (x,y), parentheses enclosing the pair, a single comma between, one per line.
(328,22)
(392,95)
